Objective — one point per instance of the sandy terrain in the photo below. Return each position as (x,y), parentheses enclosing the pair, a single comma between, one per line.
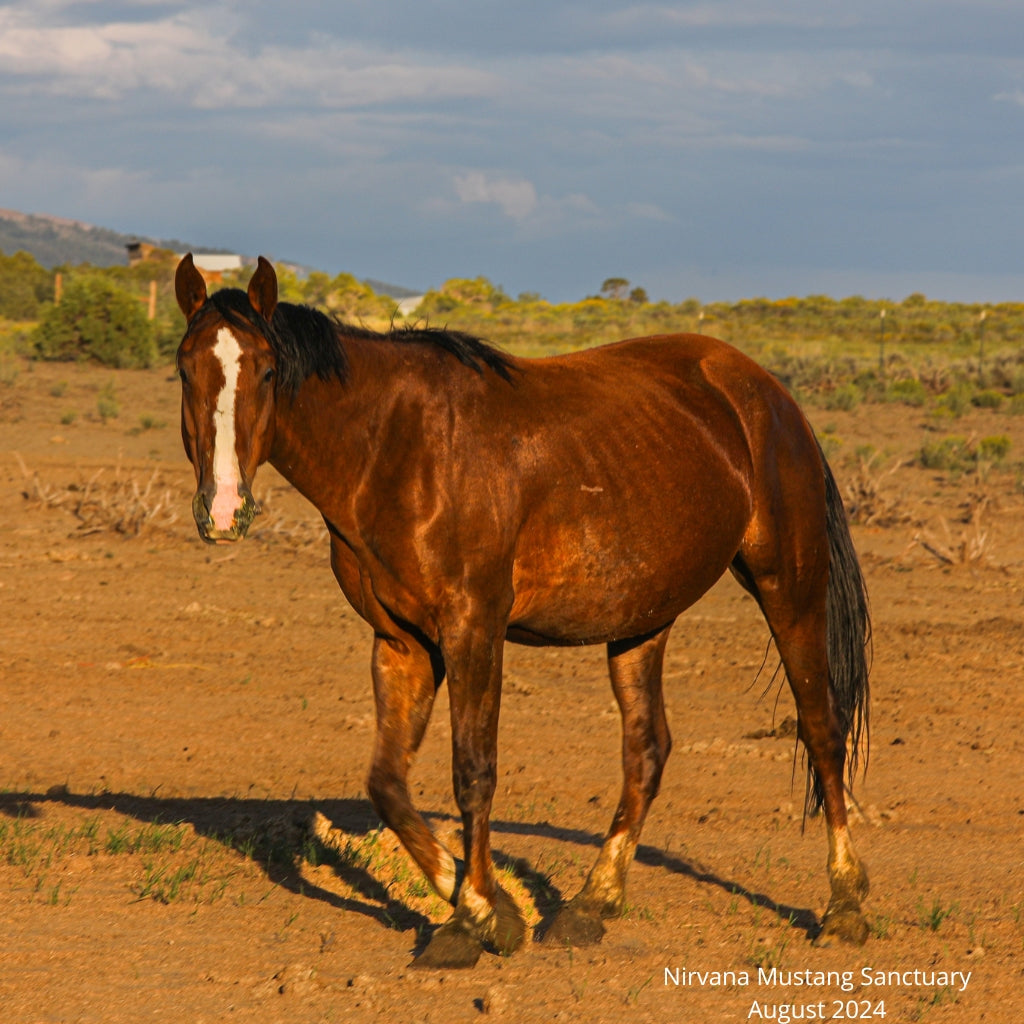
(184,830)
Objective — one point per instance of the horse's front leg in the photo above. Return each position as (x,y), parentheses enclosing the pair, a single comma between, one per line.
(406,676)
(485,915)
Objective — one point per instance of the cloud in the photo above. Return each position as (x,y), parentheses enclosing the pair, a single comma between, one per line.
(99,61)
(197,54)
(723,14)
(649,211)
(516,196)
(757,133)
(535,215)
(1016,97)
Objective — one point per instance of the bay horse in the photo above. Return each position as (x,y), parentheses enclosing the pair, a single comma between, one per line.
(472,497)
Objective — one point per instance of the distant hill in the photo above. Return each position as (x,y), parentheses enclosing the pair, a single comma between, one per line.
(56,241)
(394,291)
(53,241)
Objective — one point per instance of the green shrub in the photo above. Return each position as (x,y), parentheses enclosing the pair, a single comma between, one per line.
(830,446)
(988,399)
(946,453)
(107,405)
(956,401)
(909,392)
(26,286)
(957,454)
(96,320)
(872,386)
(845,397)
(994,448)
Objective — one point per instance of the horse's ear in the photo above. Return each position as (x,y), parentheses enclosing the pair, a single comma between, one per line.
(189,287)
(263,289)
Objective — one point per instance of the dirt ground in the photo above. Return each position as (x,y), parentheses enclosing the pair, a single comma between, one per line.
(184,829)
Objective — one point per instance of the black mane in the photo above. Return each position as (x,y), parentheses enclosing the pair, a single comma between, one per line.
(308,342)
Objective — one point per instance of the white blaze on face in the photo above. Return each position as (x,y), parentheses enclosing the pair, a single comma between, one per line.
(226,472)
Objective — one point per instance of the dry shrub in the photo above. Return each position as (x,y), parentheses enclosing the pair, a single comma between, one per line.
(967,547)
(866,502)
(105,503)
(121,501)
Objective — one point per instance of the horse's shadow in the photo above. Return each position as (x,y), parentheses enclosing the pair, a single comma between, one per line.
(277,835)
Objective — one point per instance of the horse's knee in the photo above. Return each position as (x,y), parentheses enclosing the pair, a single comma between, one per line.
(652,764)
(661,748)
(386,791)
(474,788)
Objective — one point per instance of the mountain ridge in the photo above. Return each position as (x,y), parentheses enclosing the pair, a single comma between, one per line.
(56,241)
(53,241)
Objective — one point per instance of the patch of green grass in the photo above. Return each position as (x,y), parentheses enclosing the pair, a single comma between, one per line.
(107,404)
(765,955)
(10,370)
(151,838)
(166,883)
(37,848)
(633,995)
(933,917)
(173,865)
(939,997)
(148,422)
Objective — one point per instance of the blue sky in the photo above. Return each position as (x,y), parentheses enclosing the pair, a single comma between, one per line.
(719,150)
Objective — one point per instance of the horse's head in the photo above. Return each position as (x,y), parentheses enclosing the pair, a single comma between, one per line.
(227,368)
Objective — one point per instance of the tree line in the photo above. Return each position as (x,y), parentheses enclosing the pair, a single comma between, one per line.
(103,314)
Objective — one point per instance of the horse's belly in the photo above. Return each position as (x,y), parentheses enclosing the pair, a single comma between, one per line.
(617,591)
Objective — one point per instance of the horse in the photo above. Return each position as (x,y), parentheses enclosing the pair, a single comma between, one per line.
(472,497)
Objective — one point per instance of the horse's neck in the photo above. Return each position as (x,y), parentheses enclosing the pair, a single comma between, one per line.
(327,435)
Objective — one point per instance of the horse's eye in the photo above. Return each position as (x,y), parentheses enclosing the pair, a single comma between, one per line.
(183,375)
(268,375)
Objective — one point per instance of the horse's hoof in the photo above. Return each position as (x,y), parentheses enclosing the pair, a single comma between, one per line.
(576,926)
(509,930)
(849,926)
(454,946)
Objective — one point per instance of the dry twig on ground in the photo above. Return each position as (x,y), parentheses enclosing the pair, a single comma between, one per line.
(103,504)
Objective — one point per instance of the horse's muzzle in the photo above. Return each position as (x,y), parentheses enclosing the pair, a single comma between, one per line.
(246,512)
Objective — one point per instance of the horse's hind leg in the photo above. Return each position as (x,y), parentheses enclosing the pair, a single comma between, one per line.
(819,730)
(794,604)
(635,668)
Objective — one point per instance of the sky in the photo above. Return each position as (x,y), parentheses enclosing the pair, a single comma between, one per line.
(716,150)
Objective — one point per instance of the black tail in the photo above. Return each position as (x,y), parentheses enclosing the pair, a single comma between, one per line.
(849,635)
